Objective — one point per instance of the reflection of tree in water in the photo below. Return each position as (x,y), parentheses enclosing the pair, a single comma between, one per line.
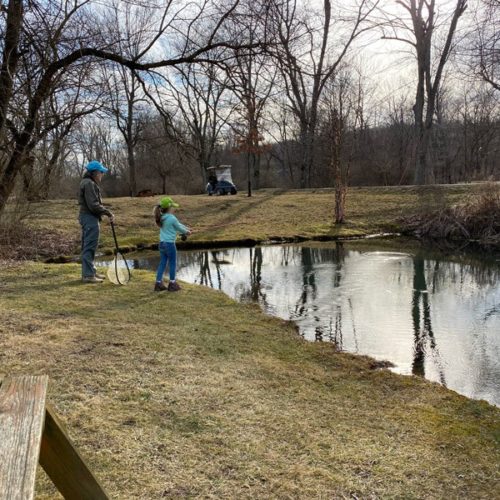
(338,259)
(422,326)
(354,333)
(493,311)
(333,331)
(255,292)
(309,258)
(256,274)
(205,276)
(483,273)
(309,288)
(286,255)
(188,260)
(218,262)
(205,273)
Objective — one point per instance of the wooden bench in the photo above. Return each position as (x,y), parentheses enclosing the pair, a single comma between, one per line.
(30,433)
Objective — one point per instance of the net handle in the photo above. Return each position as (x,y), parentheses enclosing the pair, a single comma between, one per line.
(117,251)
(114,235)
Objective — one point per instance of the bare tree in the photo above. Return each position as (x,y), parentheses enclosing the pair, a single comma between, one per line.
(252,77)
(283,131)
(55,36)
(343,104)
(477,127)
(161,151)
(400,138)
(202,96)
(95,138)
(253,88)
(130,24)
(312,46)
(59,115)
(484,50)
(125,96)
(417,28)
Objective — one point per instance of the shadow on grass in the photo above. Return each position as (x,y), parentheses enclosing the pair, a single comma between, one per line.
(217,228)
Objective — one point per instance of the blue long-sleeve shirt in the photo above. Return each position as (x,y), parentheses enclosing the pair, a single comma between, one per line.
(170,226)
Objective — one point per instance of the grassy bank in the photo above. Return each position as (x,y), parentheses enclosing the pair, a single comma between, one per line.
(230,403)
(266,215)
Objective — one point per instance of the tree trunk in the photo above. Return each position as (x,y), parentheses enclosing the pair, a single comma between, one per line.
(249,175)
(204,165)
(418,113)
(131,169)
(7,73)
(8,181)
(421,157)
(306,142)
(44,189)
(256,171)
(419,290)
(10,56)
(14,165)
(340,180)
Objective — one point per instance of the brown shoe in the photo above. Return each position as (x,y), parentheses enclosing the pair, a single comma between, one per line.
(160,286)
(173,286)
(100,276)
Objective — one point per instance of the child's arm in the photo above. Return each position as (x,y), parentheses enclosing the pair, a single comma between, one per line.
(180,228)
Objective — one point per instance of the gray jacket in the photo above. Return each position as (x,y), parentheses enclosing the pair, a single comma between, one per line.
(89,198)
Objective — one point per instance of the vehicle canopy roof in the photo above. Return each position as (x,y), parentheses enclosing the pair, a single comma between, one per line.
(222,172)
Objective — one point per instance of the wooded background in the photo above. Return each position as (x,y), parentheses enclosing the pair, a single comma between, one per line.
(290,93)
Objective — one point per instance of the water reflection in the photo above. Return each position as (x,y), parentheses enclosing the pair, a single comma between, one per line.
(431,317)
(425,341)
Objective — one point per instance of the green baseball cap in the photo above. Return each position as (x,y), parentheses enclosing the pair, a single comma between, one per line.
(167,202)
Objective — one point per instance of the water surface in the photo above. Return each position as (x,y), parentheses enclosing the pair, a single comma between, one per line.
(431,316)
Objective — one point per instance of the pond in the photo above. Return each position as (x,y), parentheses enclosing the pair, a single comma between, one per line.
(431,316)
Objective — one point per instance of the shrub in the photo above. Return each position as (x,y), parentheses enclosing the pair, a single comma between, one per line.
(19,241)
(475,219)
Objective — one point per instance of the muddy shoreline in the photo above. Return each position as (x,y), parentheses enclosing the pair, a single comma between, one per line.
(442,244)
(246,242)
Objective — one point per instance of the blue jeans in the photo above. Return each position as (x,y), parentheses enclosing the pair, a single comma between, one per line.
(168,253)
(90,240)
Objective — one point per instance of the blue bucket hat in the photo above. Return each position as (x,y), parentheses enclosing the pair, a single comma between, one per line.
(96,166)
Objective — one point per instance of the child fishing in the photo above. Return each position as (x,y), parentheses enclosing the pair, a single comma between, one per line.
(169,228)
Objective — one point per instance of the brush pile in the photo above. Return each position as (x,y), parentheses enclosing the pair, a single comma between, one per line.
(477,219)
(25,243)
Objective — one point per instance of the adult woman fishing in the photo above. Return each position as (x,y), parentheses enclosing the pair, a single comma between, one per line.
(91,212)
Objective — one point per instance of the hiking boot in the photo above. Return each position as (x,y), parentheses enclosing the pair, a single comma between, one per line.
(100,276)
(160,287)
(173,286)
(92,279)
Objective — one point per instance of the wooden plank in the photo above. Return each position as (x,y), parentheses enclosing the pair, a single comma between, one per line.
(22,413)
(64,465)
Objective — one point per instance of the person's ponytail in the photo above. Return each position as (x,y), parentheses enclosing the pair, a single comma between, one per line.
(157,215)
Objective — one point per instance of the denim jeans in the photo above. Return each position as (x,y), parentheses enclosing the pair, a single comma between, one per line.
(90,240)
(168,253)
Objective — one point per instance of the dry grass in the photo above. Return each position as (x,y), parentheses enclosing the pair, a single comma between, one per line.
(268,214)
(230,403)
(23,242)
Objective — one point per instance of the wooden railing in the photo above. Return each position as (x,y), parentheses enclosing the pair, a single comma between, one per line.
(30,433)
